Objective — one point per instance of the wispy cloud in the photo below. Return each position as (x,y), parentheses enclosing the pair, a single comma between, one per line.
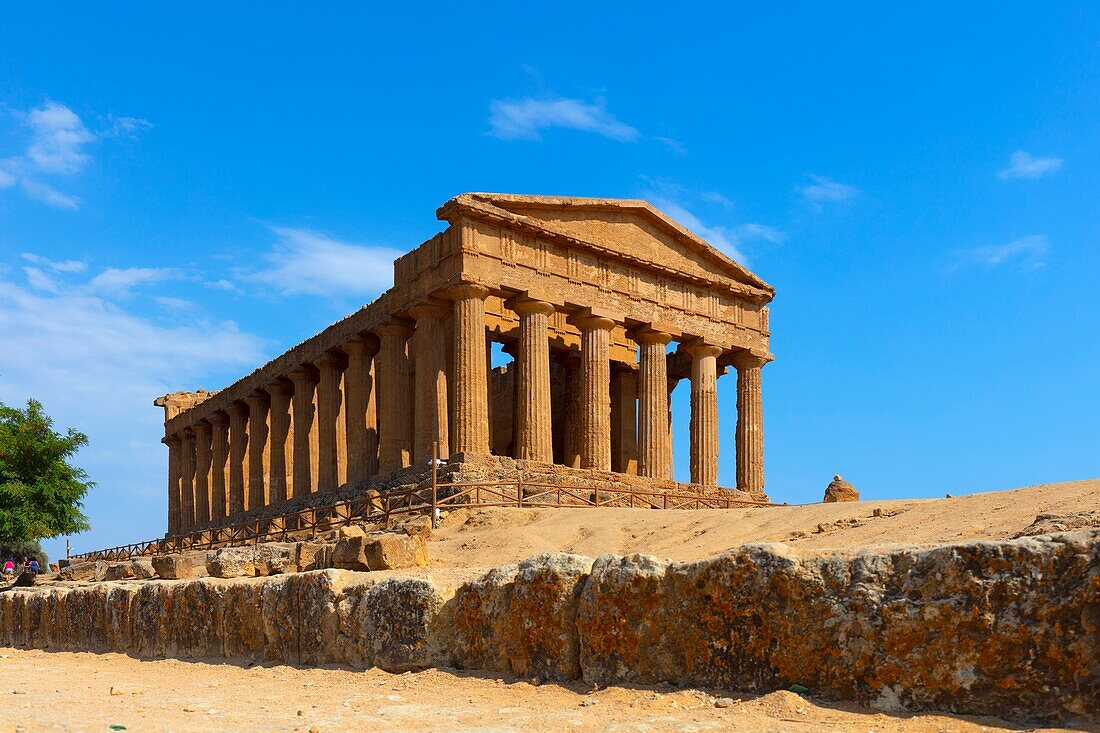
(672,144)
(57,146)
(826,190)
(526,119)
(48,195)
(729,240)
(1024,165)
(64,266)
(1025,253)
(308,262)
(714,197)
(118,282)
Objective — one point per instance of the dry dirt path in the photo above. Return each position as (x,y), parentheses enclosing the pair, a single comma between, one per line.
(488,537)
(64,691)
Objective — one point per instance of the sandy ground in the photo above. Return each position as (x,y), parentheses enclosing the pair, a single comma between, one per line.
(64,691)
(489,537)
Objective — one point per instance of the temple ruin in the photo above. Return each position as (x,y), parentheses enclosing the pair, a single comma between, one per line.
(587,295)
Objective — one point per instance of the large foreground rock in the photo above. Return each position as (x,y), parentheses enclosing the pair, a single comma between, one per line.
(1003,628)
(380,551)
(180,566)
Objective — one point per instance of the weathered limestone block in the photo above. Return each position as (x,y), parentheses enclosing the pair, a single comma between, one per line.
(272,558)
(519,618)
(393,551)
(840,490)
(380,551)
(78,571)
(231,562)
(193,620)
(349,646)
(150,615)
(86,608)
(180,566)
(417,527)
(243,621)
(318,595)
(117,614)
(313,556)
(1005,628)
(624,622)
(395,617)
(143,568)
(116,570)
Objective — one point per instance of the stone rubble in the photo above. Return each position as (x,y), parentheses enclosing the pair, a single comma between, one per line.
(1007,628)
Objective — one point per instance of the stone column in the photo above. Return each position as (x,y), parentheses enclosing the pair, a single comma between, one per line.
(202,472)
(595,391)
(470,427)
(624,419)
(255,494)
(238,456)
(534,432)
(174,475)
(362,437)
(303,473)
(280,446)
(570,409)
(394,415)
(750,422)
(704,413)
(187,479)
(654,447)
(219,465)
(430,418)
(329,365)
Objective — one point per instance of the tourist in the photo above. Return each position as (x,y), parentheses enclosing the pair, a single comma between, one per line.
(9,568)
(33,567)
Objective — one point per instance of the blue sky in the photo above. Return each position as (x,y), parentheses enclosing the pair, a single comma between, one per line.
(183,197)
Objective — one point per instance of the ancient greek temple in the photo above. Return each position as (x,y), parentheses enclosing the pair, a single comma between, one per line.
(604,305)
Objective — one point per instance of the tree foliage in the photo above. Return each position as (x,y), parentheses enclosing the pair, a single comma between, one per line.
(41,492)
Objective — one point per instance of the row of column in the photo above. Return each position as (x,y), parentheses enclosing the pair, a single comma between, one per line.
(352,412)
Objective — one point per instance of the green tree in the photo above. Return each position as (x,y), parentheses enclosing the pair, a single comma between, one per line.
(41,493)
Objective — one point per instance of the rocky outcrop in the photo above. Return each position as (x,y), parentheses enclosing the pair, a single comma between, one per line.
(1002,628)
(1051,523)
(840,490)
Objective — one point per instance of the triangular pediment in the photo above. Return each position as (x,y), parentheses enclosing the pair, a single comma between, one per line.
(631,228)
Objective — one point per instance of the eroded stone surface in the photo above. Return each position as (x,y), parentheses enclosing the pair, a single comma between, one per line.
(231,562)
(840,490)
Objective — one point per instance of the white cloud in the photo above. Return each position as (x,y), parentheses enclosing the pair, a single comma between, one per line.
(1024,165)
(307,262)
(57,148)
(48,195)
(58,136)
(65,266)
(119,282)
(714,197)
(728,240)
(524,119)
(672,144)
(826,190)
(97,367)
(39,280)
(1026,253)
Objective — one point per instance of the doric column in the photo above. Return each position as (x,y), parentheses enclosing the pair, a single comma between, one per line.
(470,427)
(595,391)
(704,412)
(304,459)
(654,447)
(280,448)
(202,472)
(255,494)
(624,418)
(430,419)
(570,409)
(362,435)
(219,466)
(238,455)
(534,432)
(174,475)
(329,366)
(750,422)
(394,414)
(187,479)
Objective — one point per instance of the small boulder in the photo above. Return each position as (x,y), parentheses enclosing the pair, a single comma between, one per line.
(313,556)
(117,571)
(840,490)
(349,554)
(78,571)
(352,530)
(420,526)
(142,568)
(231,562)
(392,551)
(177,567)
(272,558)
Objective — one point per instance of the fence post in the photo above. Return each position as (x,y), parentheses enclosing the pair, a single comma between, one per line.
(519,490)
